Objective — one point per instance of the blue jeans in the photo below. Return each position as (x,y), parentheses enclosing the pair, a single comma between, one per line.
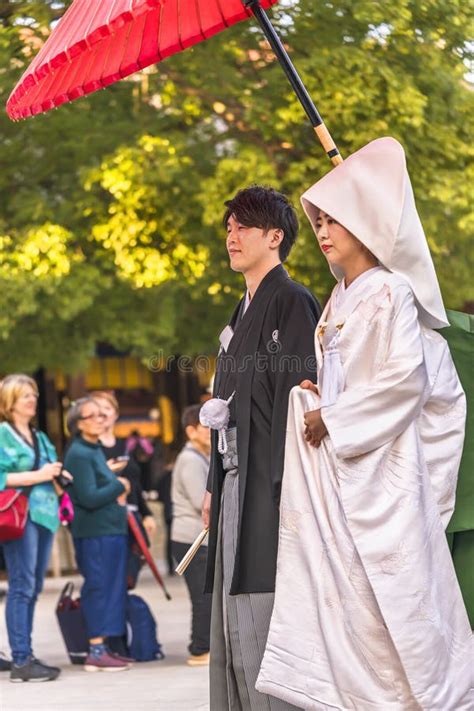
(26,560)
(102,561)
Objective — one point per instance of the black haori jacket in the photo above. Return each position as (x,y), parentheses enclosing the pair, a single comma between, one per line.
(272,350)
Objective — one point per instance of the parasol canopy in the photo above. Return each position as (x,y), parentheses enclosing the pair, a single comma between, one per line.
(99,42)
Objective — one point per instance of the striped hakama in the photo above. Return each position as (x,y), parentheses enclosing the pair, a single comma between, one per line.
(239,623)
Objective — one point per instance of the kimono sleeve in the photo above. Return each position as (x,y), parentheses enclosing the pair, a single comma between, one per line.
(212,464)
(442,424)
(367,417)
(210,476)
(295,361)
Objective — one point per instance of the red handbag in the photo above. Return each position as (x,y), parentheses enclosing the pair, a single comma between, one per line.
(13,514)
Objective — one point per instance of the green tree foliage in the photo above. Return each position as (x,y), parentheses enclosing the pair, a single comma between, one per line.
(110,211)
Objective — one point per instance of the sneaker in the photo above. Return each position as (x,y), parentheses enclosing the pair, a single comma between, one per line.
(5,664)
(104,662)
(121,657)
(46,666)
(198,660)
(33,670)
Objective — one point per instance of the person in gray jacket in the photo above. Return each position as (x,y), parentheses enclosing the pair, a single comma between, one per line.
(187,492)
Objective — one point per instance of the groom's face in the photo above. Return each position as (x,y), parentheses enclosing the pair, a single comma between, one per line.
(249,247)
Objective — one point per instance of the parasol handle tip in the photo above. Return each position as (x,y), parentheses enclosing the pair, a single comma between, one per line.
(328,144)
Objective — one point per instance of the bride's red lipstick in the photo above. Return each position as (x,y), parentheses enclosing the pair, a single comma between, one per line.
(326,247)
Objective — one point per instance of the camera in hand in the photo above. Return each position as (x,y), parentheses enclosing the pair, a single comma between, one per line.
(63,481)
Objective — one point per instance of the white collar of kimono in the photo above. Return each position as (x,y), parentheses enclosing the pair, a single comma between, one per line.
(371,195)
(247,300)
(343,292)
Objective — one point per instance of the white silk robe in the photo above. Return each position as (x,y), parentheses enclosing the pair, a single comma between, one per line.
(368,614)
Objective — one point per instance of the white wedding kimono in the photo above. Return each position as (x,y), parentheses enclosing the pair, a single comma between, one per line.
(368,614)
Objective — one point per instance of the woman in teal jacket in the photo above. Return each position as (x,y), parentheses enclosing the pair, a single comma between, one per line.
(27,459)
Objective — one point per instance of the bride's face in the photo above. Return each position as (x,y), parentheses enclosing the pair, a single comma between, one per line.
(338,245)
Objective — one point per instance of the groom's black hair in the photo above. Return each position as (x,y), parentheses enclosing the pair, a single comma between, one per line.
(265,208)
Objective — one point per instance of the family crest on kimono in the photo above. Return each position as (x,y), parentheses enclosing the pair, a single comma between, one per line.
(376,619)
(266,349)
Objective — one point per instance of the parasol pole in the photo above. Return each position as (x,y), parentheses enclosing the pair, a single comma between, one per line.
(295,80)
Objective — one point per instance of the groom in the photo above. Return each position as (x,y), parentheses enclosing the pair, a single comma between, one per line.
(267,348)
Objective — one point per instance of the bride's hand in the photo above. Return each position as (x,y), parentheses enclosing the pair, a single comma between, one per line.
(308,385)
(315,429)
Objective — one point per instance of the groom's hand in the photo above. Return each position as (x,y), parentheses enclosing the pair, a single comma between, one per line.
(315,429)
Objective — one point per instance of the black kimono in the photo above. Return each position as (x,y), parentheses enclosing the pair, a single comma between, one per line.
(271,351)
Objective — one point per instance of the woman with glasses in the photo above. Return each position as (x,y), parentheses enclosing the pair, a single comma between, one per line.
(99,531)
(27,461)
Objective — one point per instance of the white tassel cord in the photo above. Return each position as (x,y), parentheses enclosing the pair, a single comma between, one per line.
(215,413)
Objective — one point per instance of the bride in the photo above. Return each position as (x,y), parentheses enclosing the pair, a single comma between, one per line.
(368,614)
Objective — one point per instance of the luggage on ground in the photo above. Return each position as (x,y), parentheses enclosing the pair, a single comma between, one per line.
(72,624)
(142,642)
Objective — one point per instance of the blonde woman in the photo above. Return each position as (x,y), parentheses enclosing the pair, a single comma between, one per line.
(27,459)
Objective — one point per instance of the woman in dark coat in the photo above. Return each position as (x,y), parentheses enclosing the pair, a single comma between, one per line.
(99,531)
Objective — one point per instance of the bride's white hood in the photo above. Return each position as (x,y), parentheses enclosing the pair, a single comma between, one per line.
(370,194)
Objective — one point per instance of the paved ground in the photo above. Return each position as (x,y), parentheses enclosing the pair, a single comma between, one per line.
(167,685)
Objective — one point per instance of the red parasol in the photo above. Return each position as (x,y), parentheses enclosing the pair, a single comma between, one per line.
(99,42)
(140,539)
